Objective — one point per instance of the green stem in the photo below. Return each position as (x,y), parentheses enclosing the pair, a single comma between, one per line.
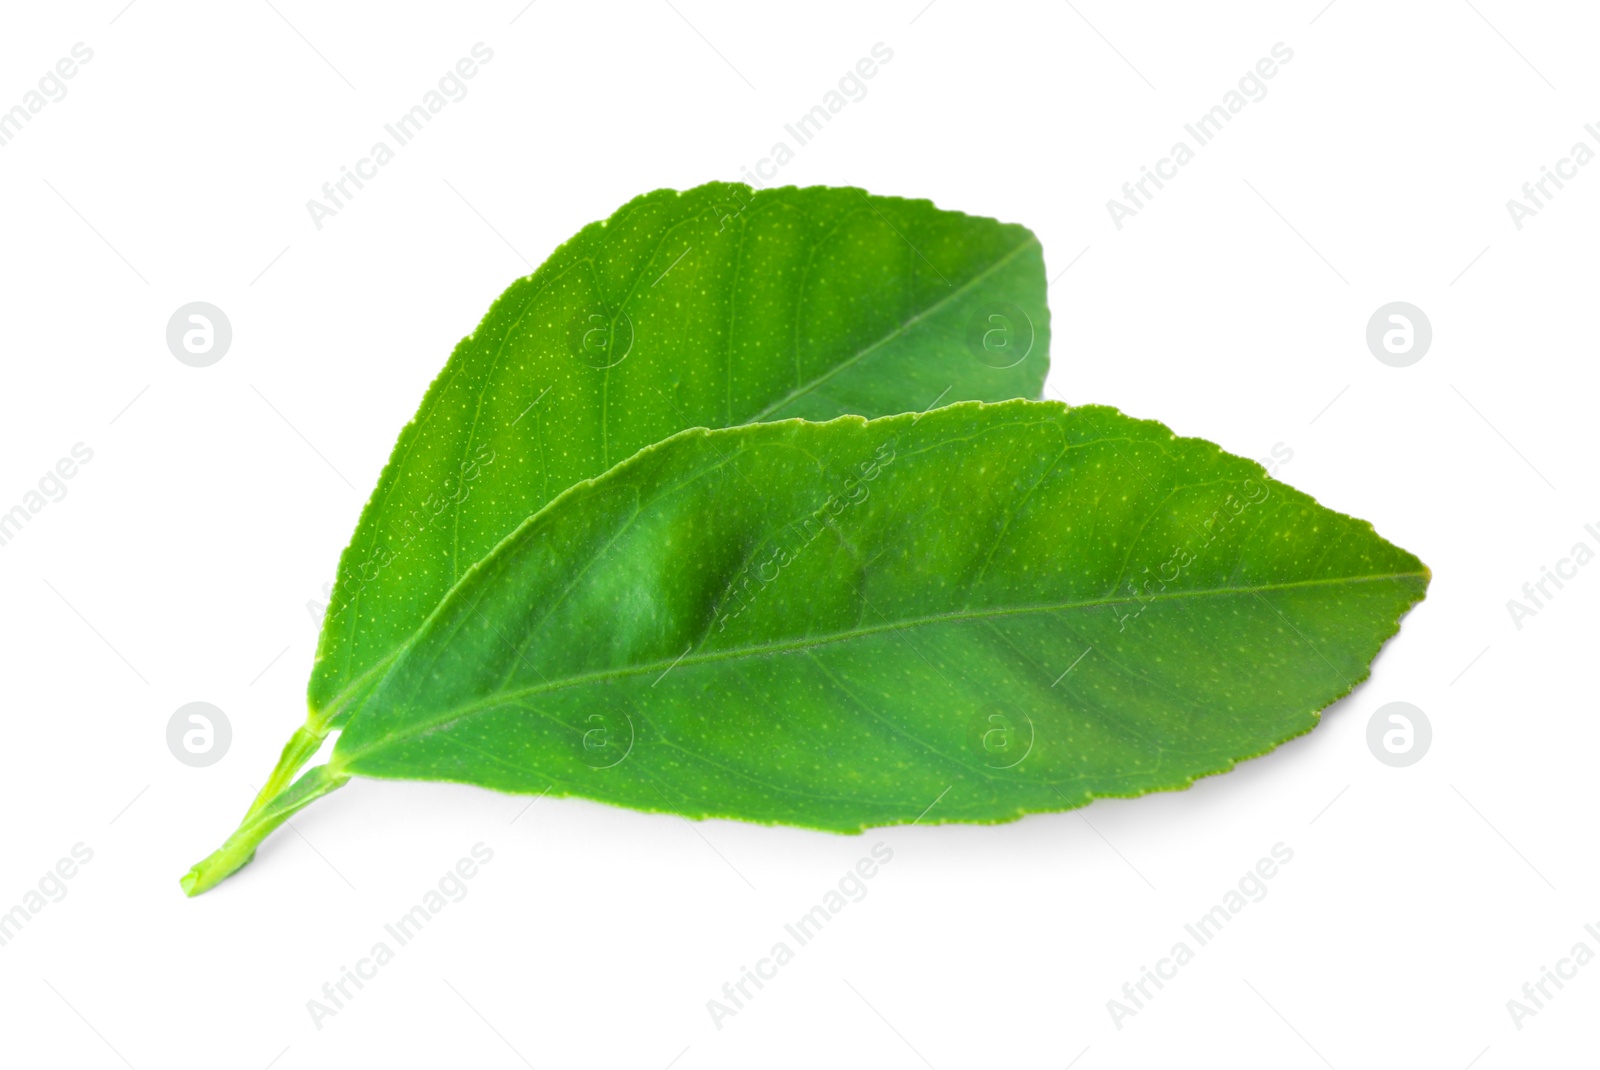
(300,749)
(240,848)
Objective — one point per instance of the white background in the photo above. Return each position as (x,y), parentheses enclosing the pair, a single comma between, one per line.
(180,564)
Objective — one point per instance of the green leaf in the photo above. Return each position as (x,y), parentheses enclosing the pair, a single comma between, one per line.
(707,308)
(968,615)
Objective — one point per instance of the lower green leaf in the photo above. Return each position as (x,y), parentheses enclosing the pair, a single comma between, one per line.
(967,615)
(1013,607)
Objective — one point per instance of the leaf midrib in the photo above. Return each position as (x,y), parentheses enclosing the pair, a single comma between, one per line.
(807,387)
(501,698)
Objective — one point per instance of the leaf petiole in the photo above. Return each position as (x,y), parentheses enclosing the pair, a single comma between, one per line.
(300,749)
(260,823)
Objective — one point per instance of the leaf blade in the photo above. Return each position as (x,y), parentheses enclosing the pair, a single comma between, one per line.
(812,302)
(976,589)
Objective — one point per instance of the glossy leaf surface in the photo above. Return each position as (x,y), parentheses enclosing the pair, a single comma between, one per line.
(713,307)
(995,608)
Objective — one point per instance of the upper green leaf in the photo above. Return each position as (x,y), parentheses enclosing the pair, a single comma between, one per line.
(1005,608)
(713,307)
